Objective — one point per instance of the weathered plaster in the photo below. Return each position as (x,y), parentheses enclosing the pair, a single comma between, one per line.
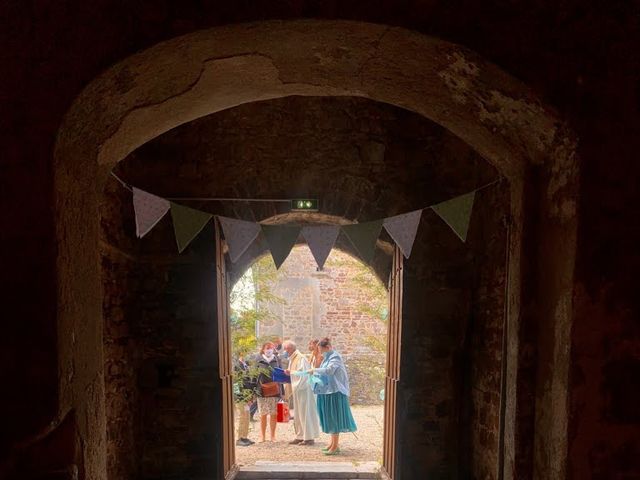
(191,76)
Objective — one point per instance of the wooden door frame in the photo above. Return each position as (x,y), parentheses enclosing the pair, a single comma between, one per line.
(229,467)
(388,468)
(394,342)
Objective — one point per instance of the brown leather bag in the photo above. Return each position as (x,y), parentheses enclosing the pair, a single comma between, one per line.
(270,389)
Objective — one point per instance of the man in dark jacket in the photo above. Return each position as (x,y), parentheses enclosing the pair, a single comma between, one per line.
(243,388)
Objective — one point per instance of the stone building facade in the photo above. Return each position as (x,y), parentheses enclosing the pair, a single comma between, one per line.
(346,302)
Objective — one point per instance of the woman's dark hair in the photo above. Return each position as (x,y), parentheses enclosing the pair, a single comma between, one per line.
(325,342)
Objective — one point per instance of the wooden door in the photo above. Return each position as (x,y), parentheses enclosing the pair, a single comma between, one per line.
(225,363)
(389,453)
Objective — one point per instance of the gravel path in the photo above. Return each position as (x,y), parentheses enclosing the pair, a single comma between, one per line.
(366,447)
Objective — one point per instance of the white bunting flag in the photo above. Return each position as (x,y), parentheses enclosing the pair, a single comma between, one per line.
(403,229)
(321,240)
(239,234)
(149,210)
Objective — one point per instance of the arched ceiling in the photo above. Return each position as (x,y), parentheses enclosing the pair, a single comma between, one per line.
(362,159)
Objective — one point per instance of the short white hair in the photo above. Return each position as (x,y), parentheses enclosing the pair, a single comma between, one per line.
(289,342)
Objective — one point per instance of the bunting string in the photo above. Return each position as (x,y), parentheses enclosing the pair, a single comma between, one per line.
(240,234)
(207,199)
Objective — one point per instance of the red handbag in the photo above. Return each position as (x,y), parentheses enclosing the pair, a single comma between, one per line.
(283,412)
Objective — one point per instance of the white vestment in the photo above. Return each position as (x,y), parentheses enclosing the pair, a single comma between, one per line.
(305,420)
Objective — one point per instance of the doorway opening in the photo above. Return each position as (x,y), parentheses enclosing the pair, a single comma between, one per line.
(344,301)
(169,388)
(491,112)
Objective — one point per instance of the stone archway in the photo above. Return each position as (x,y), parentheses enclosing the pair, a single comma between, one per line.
(191,76)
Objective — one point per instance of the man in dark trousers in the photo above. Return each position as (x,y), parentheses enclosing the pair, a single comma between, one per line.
(243,387)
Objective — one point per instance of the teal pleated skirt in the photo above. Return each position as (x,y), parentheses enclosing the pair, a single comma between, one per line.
(334,413)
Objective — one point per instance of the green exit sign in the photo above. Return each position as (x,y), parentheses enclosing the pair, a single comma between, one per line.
(304,204)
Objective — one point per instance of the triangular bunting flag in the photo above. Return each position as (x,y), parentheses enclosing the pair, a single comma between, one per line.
(403,229)
(363,236)
(281,239)
(149,209)
(457,213)
(239,234)
(187,223)
(321,240)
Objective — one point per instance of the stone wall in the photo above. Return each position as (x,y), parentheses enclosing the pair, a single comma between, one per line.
(336,302)
(121,278)
(588,75)
(484,336)
(122,361)
(161,360)
(380,151)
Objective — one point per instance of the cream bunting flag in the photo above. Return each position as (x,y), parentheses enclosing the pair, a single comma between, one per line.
(321,239)
(149,210)
(281,239)
(239,235)
(403,229)
(187,224)
(363,236)
(457,213)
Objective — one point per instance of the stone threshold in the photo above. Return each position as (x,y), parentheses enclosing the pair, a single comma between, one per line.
(309,470)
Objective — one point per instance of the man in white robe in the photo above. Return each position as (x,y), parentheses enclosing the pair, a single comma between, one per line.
(305,421)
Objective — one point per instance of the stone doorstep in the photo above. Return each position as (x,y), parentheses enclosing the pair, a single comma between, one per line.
(309,470)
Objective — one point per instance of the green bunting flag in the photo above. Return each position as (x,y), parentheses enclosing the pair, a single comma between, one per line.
(281,239)
(457,213)
(187,224)
(363,236)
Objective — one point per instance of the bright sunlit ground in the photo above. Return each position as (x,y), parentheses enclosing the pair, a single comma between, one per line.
(366,447)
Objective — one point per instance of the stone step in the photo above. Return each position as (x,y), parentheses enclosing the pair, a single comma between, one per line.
(309,470)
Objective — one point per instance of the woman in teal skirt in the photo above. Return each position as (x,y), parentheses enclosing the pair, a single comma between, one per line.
(331,384)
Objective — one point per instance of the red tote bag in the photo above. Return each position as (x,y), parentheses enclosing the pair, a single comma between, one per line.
(283,412)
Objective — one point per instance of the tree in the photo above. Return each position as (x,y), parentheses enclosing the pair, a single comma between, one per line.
(254,288)
(370,369)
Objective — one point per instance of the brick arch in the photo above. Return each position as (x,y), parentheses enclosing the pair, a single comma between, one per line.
(381,263)
(195,75)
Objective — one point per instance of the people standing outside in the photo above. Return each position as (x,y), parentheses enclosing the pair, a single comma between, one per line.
(277,342)
(333,392)
(244,388)
(305,422)
(267,391)
(315,357)
(284,363)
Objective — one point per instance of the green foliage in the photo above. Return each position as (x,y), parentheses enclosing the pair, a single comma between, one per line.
(367,376)
(366,280)
(377,305)
(376,343)
(368,373)
(264,276)
(243,378)
(252,289)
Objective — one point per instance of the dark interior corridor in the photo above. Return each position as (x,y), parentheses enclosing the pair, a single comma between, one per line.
(520,347)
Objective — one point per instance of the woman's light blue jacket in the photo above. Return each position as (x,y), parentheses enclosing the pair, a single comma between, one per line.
(333,373)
